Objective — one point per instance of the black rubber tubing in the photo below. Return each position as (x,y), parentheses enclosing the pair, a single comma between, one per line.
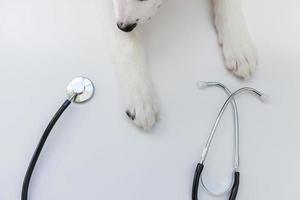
(235,186)
(39,148)
(198,172)
(197,176)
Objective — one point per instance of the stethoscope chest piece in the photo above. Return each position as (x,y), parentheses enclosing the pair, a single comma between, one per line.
(80,89)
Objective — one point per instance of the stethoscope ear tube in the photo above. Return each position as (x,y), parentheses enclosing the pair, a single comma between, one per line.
(196,181)
(236,180)
(235,186)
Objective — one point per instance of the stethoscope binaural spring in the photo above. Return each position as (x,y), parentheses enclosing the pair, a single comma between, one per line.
(233,189)
(79,90)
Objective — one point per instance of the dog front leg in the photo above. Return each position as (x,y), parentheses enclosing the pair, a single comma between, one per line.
(133,75)
(238,50)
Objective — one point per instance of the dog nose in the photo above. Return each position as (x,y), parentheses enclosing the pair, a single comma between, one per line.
(126,27)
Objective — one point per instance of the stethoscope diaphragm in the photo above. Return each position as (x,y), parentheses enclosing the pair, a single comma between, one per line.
(80,89)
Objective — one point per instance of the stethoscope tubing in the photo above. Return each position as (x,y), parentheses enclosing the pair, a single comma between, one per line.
(39,148)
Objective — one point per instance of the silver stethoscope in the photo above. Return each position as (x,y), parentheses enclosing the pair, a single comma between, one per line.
(233,188)
(81,89)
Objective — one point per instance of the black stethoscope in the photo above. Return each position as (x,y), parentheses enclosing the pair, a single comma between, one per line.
(81,89)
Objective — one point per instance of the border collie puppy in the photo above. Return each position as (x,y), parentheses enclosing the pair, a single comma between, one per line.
(130,59)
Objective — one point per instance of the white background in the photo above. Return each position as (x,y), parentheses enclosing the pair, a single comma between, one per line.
(94,152)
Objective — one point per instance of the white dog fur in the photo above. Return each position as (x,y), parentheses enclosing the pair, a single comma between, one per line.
(141,103)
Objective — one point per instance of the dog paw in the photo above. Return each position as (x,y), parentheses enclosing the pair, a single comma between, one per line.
(142,109)
(240,55)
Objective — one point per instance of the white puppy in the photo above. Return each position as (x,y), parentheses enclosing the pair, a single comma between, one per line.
(141,103)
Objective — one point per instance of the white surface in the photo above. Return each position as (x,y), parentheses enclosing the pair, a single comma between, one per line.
(95,153)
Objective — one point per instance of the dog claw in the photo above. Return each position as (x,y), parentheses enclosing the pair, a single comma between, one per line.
(131,116)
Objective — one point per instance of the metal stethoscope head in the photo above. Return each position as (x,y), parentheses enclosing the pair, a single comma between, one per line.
(233,189)
(80,90)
